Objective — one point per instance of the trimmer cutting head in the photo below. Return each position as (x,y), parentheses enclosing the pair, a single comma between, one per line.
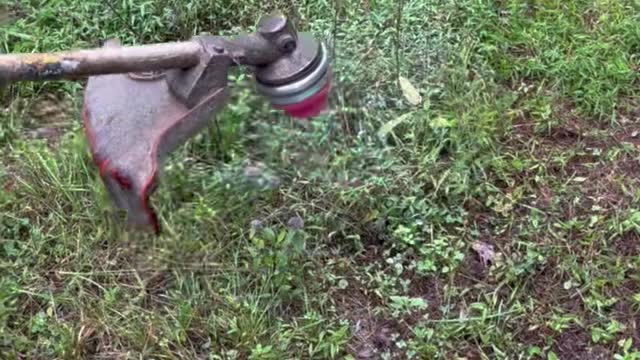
(298,83)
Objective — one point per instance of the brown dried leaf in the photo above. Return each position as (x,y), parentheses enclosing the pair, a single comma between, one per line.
(485,252)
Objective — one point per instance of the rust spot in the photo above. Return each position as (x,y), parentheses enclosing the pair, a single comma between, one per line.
(41,60)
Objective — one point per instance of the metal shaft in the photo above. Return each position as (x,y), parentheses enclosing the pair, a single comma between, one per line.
(107,60)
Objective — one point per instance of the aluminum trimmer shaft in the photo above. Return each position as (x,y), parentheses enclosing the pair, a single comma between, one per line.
(108,60)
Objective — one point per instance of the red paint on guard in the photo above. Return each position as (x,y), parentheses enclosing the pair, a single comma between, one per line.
(309,107)
(122,180)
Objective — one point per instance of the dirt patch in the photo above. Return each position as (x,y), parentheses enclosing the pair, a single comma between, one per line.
(604,188)
(628,130)
(571,131)
(471,271)
(576,157)
(156,285)
(570,155)
(531,335)
(628,244)
(371,332)
(429,289)
(629,167)
(376,233)
(522,131)
(375,331)
(56,282)
(544,198)
(9,181)
(626,310)
(567,133)
(551,296)
(89,340)
(573,344)
(482,251)
(548,288)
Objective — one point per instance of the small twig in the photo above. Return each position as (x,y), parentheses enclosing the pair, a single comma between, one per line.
(84,278)
(117,13)
(475,318)
(334,30)
(398,38)
(219,139)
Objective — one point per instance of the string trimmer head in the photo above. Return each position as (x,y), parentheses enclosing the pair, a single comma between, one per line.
(142,102)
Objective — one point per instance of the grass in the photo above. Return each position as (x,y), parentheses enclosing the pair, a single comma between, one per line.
(496,219)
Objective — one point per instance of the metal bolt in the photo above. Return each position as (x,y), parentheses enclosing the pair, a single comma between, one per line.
(287,43)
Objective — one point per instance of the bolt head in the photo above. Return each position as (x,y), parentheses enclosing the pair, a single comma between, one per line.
(287,43)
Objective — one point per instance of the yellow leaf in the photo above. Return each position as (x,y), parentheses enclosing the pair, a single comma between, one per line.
(390,125)
(409,91)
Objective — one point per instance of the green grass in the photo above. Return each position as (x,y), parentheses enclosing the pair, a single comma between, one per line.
(526,140)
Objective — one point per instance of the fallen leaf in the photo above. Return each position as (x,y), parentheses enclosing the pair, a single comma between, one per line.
(409,91)
(390,125)
(485,252)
